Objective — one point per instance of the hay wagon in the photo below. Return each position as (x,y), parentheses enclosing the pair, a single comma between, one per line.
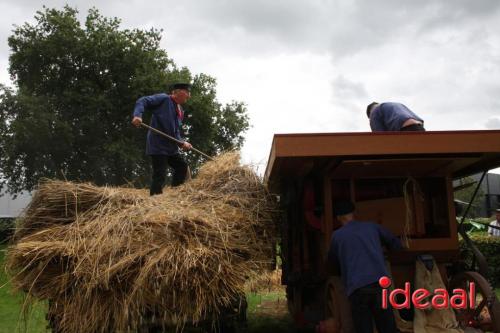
(400,180)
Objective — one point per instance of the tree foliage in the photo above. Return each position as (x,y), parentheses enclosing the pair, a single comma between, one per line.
(75,88)
(465,195)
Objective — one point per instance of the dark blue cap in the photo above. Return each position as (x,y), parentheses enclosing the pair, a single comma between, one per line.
(180,85)
(343,207)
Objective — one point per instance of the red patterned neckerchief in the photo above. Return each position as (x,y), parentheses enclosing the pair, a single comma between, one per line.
(180,112)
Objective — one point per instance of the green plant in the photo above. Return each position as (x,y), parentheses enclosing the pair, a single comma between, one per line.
(13,316)
(475,225)
(489,247)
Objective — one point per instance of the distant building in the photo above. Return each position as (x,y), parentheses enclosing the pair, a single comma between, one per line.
(491,189)
(12,208)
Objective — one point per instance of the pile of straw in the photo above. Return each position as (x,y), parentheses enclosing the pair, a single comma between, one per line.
(266,282)
(106,258)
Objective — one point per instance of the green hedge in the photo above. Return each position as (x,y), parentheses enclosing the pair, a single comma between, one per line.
(490,248)
(7,226)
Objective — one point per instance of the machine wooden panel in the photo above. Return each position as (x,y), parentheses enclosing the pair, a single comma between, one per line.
(466,151)
(416,167)
(391,213)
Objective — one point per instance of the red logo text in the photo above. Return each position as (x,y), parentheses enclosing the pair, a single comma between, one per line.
(424,299)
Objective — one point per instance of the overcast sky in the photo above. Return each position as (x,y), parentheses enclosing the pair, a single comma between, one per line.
(313,66)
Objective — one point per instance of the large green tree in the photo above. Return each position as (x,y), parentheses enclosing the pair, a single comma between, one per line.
(75,86)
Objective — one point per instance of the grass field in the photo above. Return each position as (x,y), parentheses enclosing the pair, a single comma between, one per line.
(267,312)
(11,306)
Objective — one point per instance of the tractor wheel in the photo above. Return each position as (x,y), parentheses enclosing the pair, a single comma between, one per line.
(486,313)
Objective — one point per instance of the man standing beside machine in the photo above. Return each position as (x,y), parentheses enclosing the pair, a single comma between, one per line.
(356,248)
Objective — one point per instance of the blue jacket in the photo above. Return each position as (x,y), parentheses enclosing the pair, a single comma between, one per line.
(357,248)
(390,117)
(164,118)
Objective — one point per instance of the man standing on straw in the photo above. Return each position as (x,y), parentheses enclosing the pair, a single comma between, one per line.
(167,115)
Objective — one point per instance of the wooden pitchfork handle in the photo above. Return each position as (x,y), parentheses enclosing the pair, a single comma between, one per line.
(175,140)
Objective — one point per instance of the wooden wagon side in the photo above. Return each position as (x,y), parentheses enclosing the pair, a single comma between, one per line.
(400,180)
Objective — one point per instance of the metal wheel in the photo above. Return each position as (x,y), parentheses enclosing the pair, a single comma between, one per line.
(486,314)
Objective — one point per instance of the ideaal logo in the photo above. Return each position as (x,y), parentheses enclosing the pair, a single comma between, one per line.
(439,298)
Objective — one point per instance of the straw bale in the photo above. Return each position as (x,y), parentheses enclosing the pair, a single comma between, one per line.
(109,258)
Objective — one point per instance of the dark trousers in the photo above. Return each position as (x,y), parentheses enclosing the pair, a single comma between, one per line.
(366,306)
(159,163)
(413,128)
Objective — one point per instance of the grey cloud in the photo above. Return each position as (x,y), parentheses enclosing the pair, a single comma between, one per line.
(375,23)
(281,17)
(4,47)
(339,27)
(350,98)
(348,89)
(493,123)
(452,13)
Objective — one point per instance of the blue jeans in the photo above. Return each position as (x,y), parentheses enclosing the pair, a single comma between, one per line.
(366,307)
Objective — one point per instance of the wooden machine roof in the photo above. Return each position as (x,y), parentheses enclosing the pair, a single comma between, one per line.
(459,153)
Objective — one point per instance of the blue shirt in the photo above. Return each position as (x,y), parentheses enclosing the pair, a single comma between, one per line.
(357,248)
(390,117)
(164,118)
